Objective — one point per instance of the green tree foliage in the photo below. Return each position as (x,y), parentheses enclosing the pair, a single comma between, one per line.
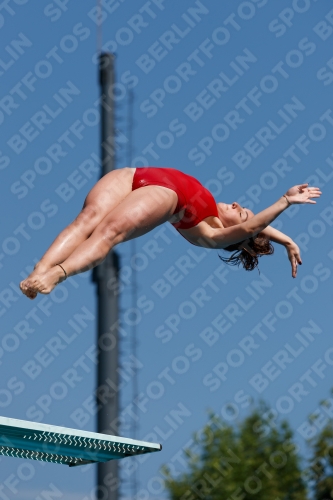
(321,462)
(253,460)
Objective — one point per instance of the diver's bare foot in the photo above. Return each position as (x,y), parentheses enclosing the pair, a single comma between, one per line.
(25,284)
(29,293)
(45,283)
(26,290)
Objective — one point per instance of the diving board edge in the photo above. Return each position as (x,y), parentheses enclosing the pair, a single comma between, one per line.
(34,426)
(50,443)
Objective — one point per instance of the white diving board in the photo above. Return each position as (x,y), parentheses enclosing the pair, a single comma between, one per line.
(61,445)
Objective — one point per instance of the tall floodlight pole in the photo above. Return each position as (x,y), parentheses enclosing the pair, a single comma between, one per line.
(106,276)
(135,391)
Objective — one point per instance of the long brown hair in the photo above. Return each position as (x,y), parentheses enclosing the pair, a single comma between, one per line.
(247,253)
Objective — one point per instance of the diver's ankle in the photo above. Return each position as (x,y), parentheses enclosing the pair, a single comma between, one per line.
(41,267)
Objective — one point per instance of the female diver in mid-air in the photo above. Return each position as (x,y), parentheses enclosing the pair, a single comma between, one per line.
(129,202)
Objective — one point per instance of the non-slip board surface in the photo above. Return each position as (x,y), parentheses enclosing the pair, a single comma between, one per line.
(50,443)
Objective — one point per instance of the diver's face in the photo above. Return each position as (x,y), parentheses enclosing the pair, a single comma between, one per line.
(231,215)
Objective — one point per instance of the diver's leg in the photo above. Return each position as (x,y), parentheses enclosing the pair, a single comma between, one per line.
(140,212)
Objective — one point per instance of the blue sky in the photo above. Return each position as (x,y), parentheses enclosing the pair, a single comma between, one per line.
(237,95)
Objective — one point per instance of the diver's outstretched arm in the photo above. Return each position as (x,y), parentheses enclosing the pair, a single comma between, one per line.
(277,236)
(223,237)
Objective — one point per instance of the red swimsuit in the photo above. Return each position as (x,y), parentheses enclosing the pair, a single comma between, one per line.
(197,201)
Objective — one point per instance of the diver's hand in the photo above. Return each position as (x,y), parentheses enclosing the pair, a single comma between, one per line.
(302,194)
(294,256)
